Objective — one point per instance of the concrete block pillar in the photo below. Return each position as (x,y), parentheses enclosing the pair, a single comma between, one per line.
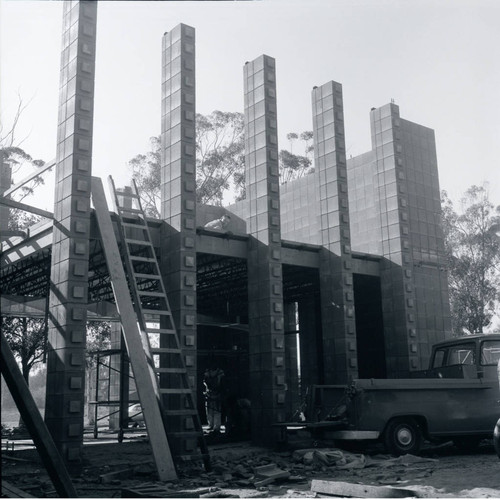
(397,267)
(336,280)
(178,186)
(414,285)
(70,248)
(291,360)
(265,287)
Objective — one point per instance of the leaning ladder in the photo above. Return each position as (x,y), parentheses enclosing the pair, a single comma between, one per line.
(182,422)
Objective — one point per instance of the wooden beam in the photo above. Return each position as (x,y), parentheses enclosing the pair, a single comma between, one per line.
(39,171)
(145,377)
(27,208)
(11,491)
(34,423)
(11,233)
(341,489)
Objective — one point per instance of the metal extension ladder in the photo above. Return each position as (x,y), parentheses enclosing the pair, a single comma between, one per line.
(160,339)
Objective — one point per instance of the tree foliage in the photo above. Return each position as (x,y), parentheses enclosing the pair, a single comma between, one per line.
(98,339)
(219,162)
(27,339)
(472,244)
(292,165)
(220,156)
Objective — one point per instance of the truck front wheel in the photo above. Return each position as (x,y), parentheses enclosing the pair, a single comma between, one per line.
(403,435)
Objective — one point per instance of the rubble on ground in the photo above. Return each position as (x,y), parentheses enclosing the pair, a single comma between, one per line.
(240,470)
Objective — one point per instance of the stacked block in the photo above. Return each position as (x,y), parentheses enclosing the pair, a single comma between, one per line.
(265,288)
(178,186)
(336,280)
(70,248)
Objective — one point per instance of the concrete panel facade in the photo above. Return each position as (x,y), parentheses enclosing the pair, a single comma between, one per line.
(70,247)
(265,288)
(336,281)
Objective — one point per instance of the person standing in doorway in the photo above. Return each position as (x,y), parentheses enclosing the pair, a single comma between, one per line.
(213,382)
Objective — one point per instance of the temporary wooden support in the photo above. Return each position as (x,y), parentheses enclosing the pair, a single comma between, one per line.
(34,423)
(138,349)
(36,173)
(27,208)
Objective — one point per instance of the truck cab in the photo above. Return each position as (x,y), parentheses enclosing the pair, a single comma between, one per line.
(475,356)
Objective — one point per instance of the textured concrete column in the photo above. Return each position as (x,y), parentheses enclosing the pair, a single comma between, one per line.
(291,360)
(178,185)
(397,267)
(265,287)
(70,247)
(414,286)
(336,281)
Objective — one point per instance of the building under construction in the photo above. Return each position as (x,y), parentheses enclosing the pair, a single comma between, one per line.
(336,275)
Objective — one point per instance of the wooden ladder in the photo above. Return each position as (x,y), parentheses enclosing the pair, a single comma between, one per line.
(154,316)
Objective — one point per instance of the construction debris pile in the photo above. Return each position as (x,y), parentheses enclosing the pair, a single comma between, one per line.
(243,471)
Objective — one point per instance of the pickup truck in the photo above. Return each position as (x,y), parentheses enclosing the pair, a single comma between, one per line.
(456,399)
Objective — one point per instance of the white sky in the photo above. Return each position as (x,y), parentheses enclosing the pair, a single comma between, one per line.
(439,61)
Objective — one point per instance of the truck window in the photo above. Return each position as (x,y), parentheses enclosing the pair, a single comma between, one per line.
(439,358)
(490,352)
(461,355)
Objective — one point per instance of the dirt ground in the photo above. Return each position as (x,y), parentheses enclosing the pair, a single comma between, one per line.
(439,471)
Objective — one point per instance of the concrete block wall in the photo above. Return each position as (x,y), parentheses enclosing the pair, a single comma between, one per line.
(426,239)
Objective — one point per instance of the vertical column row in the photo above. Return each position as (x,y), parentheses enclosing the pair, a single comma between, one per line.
(265,288)
(336,281)
(398,301)
(178,185)
(70,247)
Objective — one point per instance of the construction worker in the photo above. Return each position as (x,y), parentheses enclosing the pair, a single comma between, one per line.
(213,382)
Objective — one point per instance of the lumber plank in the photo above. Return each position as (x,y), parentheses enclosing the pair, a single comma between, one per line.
(26,208)
(11,491)
(342,489)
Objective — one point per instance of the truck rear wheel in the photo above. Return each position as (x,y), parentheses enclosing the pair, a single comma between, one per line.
(403,435)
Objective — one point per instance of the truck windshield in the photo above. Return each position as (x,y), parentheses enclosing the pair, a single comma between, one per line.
(461,354)
(490,352)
